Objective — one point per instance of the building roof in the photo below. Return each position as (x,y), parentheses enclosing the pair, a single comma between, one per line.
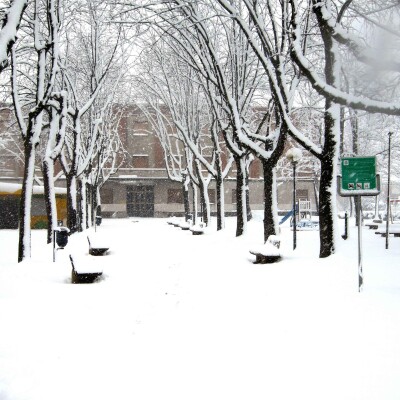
(16,188)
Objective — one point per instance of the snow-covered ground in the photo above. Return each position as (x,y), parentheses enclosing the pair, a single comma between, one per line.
(177,316)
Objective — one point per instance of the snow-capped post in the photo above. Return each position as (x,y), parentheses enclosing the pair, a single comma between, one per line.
(388,194)
(294,155)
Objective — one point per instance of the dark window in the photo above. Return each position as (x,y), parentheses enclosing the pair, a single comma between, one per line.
(233,196)
(211,196)
(107,196)
(175,196)
(140,161)
(302,194)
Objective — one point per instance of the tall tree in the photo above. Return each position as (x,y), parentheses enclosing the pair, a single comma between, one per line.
(38,72)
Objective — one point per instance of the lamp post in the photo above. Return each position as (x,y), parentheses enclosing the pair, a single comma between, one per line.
(388,195)
(294,155)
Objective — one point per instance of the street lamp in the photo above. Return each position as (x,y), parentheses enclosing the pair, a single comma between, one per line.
(388,195)
(294,155)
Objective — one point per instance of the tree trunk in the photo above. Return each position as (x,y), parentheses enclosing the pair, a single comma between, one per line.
(204,202)
(316,196)
(241,212)
(80,196)
(88,204)
(95,201)
(24,244)
(329,157)
(204,198)
(342,119)
(270,201)
(195,203)
(326,209)
(185,190)
(354,131)
(49,197)
(249,215)
(220,203)
(72,213)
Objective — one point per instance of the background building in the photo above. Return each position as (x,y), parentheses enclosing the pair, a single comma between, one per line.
(141,187)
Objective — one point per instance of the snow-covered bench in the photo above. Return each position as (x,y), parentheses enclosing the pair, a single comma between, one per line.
(269,252)
(393,230)
(97,247)
(184,225)
(172,221)
(372,225)
(84,269)
(197,229)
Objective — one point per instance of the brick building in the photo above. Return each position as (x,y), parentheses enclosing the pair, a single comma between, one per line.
(141,188)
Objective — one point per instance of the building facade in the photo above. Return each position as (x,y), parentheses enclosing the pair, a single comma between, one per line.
(141,187)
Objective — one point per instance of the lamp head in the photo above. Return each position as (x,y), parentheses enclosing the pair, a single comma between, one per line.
(294,155)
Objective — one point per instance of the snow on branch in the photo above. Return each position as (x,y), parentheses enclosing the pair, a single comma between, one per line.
(8,32)
(329,91)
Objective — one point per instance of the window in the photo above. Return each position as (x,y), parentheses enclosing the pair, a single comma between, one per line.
(107,196)
(211,196)
(233,196)
(140,161)
(175,196)
(302,194)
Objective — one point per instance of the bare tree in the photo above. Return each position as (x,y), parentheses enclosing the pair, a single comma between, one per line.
(10,22)
(32,87)
(91,53)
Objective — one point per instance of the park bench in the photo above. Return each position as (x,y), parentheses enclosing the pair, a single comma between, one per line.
(84,270)
(393,230)
(372,225)
(184,225)
(269,252)
(197,229)
(97,248)
(171,221)
(174,221)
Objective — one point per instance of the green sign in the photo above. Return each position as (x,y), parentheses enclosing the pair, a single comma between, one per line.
(358,173)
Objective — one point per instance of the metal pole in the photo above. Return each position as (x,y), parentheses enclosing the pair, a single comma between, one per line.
(294,206)
(346,222)
(360,271)
(388,197)
(54,245)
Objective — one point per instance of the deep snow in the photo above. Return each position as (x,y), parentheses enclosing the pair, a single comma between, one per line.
(177,316)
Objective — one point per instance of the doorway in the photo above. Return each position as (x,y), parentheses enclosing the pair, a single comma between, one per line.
(140,201)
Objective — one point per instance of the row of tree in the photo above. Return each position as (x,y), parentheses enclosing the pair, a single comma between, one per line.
(243,76)
(222,82)
(62,70)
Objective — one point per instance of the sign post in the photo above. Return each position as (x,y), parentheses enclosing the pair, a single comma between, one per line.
(359,175)
(359,178)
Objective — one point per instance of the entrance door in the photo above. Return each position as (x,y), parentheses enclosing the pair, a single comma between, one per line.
(140,201)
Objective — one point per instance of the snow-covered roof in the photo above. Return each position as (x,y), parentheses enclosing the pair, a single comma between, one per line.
(15,188)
